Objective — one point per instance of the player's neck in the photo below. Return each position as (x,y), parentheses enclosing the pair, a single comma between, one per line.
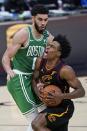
(52,63)
(36,33)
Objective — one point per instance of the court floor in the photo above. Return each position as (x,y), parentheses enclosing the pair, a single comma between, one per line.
(12,120)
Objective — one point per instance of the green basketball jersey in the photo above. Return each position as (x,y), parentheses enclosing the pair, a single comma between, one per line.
(24,60)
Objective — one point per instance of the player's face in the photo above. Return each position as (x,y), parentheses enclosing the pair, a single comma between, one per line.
(40,22)
(52,50)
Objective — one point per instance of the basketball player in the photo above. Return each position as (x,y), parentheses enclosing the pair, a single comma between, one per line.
(52,70)
(26,46)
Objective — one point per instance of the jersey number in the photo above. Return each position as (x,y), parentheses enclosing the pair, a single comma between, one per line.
(33,65)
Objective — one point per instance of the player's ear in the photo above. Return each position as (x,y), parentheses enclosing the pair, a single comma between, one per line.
(59,54)
(59,51)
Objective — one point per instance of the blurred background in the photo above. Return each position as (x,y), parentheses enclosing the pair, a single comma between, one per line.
(68,17)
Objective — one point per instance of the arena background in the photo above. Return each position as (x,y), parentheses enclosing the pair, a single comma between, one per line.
(74,27)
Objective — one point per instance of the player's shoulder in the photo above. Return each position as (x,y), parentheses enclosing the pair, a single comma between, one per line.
(23,31)
(38,61)
(66,71)
(22,34)
(66,68)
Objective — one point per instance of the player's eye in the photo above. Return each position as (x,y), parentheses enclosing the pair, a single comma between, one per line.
(40,19)
(46,20)
(52,46)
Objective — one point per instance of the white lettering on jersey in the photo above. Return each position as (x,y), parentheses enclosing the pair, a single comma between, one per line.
(35,51)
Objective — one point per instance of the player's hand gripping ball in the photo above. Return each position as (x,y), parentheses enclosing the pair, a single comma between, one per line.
(47,89)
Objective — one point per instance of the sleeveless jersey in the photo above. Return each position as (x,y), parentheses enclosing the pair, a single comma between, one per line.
(52,76)
(25,58)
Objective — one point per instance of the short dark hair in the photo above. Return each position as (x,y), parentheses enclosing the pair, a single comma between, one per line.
(65,47)
(39,9)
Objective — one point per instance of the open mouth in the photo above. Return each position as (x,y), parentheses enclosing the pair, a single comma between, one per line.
(45,53)
(42,27)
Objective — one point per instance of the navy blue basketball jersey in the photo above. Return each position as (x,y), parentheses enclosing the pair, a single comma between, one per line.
(52,76)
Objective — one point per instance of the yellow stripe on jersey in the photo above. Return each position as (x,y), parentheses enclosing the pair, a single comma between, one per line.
(60,115)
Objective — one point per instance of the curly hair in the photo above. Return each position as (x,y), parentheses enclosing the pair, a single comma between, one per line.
(39,9)
(65,47)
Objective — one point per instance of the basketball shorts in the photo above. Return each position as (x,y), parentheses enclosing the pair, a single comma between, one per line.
(20,88)
(58,117)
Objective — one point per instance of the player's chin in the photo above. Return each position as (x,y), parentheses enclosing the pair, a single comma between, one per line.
(45,57)
(42,29)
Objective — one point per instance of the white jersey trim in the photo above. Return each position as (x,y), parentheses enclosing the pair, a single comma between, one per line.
(34,35)
(24,90)
(20,72)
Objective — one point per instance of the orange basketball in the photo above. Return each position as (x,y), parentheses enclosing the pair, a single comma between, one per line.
(45,94)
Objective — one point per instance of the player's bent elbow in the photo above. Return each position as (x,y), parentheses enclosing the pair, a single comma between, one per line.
(82,92)
(4,63)
(3,59)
